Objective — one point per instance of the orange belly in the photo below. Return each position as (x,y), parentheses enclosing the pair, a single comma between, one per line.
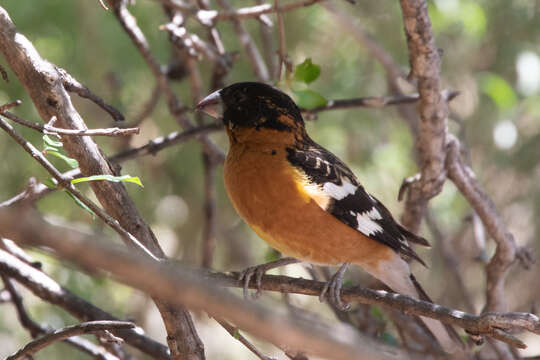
(261,187)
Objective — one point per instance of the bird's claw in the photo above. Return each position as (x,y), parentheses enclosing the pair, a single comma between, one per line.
(332,290)
(259,271)
(246,276)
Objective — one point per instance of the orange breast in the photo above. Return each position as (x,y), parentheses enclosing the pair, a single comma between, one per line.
(262,187)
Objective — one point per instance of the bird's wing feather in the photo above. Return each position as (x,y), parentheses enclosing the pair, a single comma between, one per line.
(348,200)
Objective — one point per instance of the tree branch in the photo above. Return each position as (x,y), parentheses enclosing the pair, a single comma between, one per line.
(507,250)
(50,291)
(49,129)
(67,332)
(46,88)
(163,280)
(200,287)
(426,67)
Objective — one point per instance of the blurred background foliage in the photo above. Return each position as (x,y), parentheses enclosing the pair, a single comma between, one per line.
(491,56)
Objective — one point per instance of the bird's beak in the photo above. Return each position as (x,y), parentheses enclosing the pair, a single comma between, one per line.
(212,105)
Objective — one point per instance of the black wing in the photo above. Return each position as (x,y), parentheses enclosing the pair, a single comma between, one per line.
(349,201)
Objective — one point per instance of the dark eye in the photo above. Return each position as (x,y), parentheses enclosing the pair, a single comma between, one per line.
(240,96)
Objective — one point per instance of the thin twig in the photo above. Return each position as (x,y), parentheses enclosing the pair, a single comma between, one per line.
(72,85)
(51,130)
(4,74)
(36,329)
(235,332)
(50,291)
(377,101)
(89,327)
(282,49)
(257,62)
(66,184)
(176,108)
(507,250)
(251,12)
(162,142)
(349,24)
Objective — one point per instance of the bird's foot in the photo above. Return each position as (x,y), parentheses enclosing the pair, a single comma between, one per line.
(259,271)
(332,290)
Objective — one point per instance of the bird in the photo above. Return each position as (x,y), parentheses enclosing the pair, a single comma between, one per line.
(305,202)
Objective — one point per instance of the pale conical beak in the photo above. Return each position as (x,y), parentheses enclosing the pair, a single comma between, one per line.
(212,105)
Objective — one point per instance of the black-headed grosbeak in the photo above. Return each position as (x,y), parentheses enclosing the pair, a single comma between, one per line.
(304,201)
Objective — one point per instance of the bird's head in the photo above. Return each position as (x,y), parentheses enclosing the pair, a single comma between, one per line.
(252,111)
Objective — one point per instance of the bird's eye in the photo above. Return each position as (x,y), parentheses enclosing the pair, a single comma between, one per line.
(240,97)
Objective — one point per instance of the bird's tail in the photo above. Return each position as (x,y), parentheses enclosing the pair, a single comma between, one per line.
(395,273)
(444,333)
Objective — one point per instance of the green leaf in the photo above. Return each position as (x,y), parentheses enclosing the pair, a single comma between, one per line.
(236,334)
(307,71)
(47,140)
(271,255)
(124,178)
(376,312)
(474,18)
(49,182)
(53,151)
(498,90)
(309,99)
(389,339)
(81,204)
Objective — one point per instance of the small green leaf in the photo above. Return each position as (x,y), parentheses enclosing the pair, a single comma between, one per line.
(307,71)
(389,339)
(309,99)
(271,255)
(498,89)
(81,204)
(376,312)
(53,151)
(49,182)
(47,140)
(125,178)
(236,334)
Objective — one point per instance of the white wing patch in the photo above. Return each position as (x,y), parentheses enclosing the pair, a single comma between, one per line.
(366,224)
(339,192)
(373,214)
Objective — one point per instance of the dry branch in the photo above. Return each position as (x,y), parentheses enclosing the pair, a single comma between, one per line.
(163,280)
(49,290)
(46,87)
(51,130)
(67,332)
(36,329)
(507,250)
(376,101)
(200,287)
(176,108)
(425,64)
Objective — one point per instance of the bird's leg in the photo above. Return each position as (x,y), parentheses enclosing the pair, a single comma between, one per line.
(333,289)
(259,271)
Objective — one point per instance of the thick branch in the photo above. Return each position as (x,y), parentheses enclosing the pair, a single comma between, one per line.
(425,66)
(200,292)
(45,86)
(163,280)
(50,291)
(507,250)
